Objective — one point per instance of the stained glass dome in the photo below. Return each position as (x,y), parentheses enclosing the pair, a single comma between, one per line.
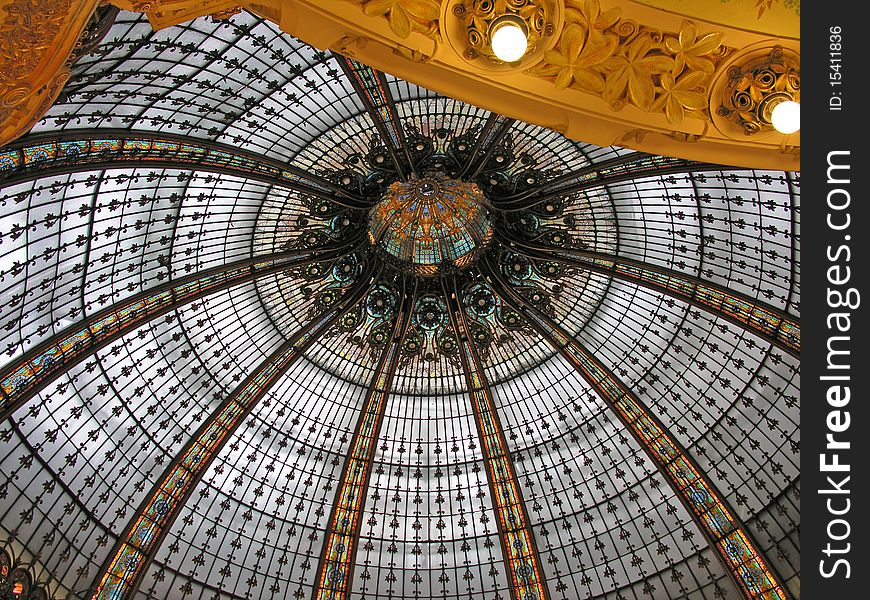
(561,371)
(431,225)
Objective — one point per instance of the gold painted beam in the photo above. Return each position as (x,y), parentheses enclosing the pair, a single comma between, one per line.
(578,84)
(613,72)
(37,38)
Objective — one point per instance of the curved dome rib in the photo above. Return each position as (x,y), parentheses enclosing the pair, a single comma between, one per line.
(47,155)
(490,139)
(335,567)
(496,127)
(523,562)
(371,87)
(121,574)
(769,323)
(618,249)
(23,378)
(624,168)
(734,545)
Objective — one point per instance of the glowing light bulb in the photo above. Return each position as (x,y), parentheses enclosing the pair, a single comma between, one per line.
(786,117)
(509,41)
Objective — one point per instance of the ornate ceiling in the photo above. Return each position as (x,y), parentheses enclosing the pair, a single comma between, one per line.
(279,325)
(660,76)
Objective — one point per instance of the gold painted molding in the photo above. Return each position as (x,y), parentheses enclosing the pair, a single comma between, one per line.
(612,72)
(680,69)
(776,18)
(37,38)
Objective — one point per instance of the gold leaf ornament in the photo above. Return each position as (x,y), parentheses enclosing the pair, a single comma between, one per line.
(680,95)
(588,13)
(579,51)
(405,16)
(689,50)
(631,73)
(482,13)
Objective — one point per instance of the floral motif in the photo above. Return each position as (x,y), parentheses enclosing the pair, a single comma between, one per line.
(689,50)
(476,18)
(406,16)
(588,13)
(27,31)
(762,6)
(633,71)
(601,53)
(579,51)
(679,95)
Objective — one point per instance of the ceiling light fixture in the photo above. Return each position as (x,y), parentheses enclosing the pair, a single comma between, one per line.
(508,38)
(786,116)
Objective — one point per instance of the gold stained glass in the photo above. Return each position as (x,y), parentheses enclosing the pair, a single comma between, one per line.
(431,225)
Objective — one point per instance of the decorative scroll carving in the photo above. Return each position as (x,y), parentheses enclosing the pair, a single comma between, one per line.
(468,26)
(658,67)
(757,85)
(96,29)
(27,32)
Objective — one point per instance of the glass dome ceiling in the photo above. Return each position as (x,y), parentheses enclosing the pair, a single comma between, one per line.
(429,226)
(215,387)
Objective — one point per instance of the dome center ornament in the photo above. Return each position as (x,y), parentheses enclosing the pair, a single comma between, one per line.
(432,225)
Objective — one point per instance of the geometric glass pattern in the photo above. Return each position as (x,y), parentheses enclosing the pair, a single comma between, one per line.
(726,534)
(614,417)
(754,315)
(120,577)
(518,545)
(22,378)
(336,563)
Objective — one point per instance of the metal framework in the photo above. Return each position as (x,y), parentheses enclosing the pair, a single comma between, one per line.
(495,128)
(47,155)
(44,155)
(120,575)
(494,132)
(767,322)
(24,377)
(624,168)
(373,91)
(525,575)
(729,538)
(336,564)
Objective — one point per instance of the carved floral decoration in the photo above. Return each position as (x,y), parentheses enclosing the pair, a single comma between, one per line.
(624,63)
(27,31)
(405,16)
(600,52)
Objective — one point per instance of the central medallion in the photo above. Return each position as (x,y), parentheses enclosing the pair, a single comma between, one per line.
(430,226)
